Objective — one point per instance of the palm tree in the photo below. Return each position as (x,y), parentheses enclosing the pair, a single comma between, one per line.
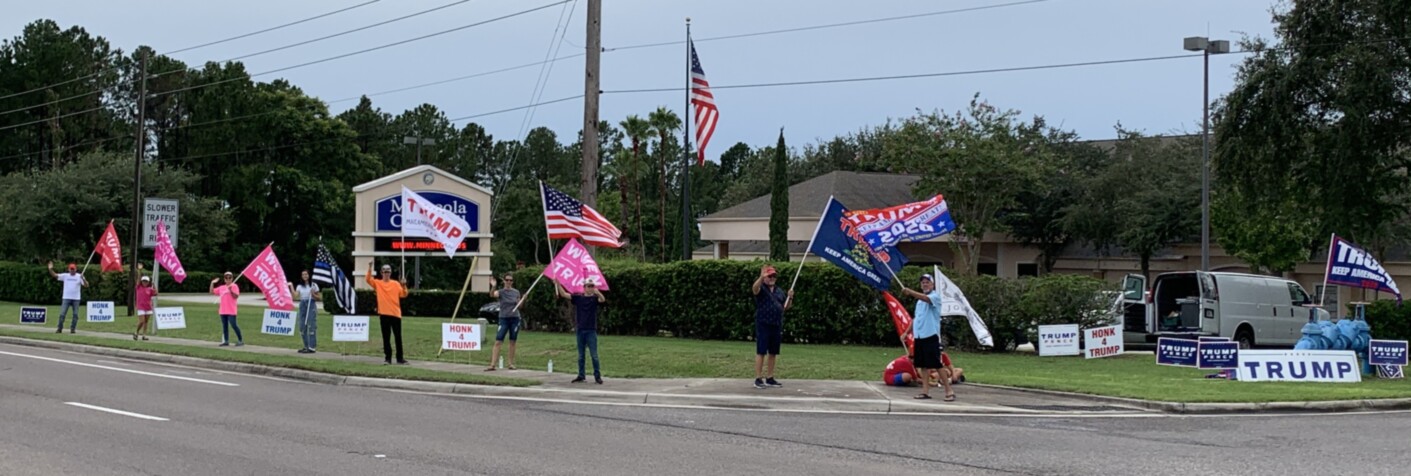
(637,130)
(665,122)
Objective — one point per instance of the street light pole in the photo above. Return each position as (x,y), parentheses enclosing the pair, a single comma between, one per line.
(419,141)
(1203,44)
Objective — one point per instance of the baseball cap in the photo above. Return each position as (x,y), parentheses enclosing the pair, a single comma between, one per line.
(145,278)
(73,266)
(590,282)
(927,277)
(769,270)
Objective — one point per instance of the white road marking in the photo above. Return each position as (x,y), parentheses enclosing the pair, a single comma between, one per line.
(116,411)
(138,372)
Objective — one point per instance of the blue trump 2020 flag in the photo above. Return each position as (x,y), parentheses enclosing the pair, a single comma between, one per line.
(1351,266)
(833,241)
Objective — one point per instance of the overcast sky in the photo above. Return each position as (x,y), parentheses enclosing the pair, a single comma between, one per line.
(1157,97)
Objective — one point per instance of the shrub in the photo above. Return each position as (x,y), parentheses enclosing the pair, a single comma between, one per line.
(416,304)
(32,284)
(1387,319)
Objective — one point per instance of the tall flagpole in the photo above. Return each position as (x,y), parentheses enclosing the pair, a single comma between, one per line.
(686,240)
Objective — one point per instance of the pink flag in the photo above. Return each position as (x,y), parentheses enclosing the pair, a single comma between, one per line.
(109,248)
(267,274)
(572,266)
(166,255)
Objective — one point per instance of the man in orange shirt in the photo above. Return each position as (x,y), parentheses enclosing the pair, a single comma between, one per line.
(389,309)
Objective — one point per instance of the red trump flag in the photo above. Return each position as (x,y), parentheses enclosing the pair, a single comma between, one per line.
(109,248)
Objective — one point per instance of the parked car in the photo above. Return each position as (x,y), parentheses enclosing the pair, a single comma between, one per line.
(1251,309)
(490,312)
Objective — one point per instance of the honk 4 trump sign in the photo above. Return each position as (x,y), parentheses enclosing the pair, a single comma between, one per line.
(460,336)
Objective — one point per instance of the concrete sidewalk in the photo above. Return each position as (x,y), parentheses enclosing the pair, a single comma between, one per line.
(795,395)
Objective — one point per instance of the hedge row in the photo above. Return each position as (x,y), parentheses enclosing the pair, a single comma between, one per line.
(711,300)
(416,304)
(1388,320)
(32,284)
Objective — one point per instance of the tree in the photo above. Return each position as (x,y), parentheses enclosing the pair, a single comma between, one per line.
(1323,118)
(982,161)
(637,130)
(779,203)
(665,122)
(1040,219)
(1159,203)
(733,159)
(49,77)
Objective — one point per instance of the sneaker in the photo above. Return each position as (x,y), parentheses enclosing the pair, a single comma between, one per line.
(73,331)
(403,362)
(59,331)
(598,379)
(134,336)
(224,344)
(303,351)
(759,383)
(311,351)
(387,362)
(240,344)
(580,379)
(773,383)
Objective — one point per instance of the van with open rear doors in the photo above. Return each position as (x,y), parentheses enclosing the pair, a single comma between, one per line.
(1253,310)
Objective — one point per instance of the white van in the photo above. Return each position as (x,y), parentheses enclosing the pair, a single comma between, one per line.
(1251,309)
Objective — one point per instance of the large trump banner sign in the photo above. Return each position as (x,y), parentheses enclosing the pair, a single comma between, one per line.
(1351,266)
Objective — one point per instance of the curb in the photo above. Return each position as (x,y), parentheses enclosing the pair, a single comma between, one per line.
(1224,408)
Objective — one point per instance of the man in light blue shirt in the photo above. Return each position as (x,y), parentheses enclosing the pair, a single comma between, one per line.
(926,332)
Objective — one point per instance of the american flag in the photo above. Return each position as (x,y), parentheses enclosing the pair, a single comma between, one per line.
(566,217)
(706,113)
(326,271)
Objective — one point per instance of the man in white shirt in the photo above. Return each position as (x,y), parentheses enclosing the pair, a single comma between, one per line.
(73,289)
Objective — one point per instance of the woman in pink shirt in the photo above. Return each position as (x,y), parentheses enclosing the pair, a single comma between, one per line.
(228,293)
(145,293)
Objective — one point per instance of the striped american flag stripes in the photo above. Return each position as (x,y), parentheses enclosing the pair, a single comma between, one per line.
(326,272)
(704,101)
(566,217)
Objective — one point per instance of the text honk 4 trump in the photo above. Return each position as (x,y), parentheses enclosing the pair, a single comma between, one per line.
(460,336)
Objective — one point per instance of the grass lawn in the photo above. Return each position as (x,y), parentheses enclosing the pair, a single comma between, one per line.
(1134,376)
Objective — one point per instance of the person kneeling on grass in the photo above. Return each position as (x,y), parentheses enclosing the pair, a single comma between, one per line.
(585,306)
(145,293)
(900,372)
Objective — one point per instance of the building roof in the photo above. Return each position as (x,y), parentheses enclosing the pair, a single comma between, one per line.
(857,190)
(755,247)
(417,170)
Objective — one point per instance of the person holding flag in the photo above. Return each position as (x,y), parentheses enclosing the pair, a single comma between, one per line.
(389,309)
(229,293)
(144,296)
(770,302)
(73,293)
(585,322)
(926,330)
(309,295)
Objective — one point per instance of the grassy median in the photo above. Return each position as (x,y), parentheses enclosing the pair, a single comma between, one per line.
(1132,376)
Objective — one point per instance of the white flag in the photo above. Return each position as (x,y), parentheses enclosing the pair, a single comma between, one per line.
(953,303)
(424,219)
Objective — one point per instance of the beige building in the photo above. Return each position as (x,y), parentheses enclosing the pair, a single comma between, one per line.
(741,232)
(377,230)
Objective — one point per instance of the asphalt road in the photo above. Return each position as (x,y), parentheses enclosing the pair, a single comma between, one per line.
(220,423)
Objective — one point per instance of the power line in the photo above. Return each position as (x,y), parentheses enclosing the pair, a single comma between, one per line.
(527,106)
(826,26)
(267,30)
(541,84)
(346,32)
(189,48)
(921,75)
(367,50)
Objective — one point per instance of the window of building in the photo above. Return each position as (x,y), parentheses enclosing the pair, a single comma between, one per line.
(1028,269)
(990,269)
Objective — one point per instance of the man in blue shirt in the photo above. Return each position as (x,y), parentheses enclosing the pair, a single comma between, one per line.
(926,332)
(585,320)
(770,302)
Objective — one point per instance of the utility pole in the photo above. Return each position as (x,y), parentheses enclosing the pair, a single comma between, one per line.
(589,185)
(136,233)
